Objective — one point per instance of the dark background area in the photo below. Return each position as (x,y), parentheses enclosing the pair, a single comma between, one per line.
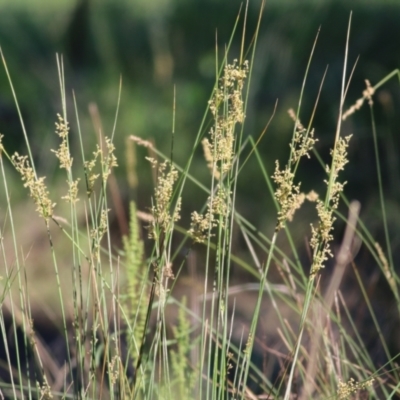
(165,44)
(156,46)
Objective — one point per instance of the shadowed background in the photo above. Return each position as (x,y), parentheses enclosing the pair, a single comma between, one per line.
(156,45)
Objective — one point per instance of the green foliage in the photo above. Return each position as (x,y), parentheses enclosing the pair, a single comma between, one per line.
(184,378)
(135,297)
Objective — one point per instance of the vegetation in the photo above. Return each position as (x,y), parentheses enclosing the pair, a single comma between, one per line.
(159,315)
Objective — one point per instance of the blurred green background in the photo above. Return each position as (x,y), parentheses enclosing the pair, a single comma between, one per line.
(161,44)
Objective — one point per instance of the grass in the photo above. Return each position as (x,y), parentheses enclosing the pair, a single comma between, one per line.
(161,316)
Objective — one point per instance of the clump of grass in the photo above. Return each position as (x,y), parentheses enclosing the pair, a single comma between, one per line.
(121,341)
(89,326)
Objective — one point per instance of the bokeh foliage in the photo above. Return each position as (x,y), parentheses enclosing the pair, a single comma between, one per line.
(156,46)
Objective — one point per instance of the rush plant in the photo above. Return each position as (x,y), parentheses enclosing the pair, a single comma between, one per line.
(158,318)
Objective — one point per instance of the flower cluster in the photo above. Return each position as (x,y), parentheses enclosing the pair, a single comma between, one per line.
(72,195)
(302,142)
(162,217)
(287,194)
(37,188)
(366,95)
(218,209)
(227,109)
(63,154)
(346,389)
(108,161)
(321,235)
